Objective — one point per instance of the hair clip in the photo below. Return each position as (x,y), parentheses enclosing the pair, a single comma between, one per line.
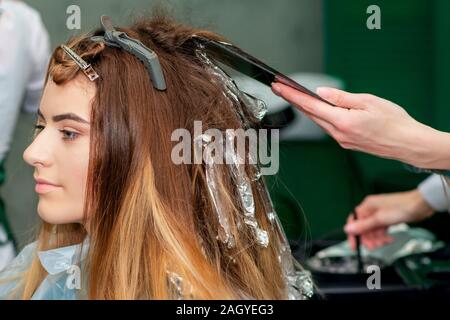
(84,66)
(119,39)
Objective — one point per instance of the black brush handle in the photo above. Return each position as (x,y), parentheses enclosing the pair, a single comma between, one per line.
(358,247)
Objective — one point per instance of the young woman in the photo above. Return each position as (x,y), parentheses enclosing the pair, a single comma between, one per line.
(116,211)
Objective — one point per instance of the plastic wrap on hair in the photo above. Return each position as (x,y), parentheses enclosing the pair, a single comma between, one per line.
(255,109)
(257,106)
(243,183)
(267,203)
(255,171)
(224,232)
(178,285)
(299,281)
(301,286)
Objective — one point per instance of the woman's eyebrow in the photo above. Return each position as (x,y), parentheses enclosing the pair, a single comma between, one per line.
(40,114)
(69,116)
(65,116)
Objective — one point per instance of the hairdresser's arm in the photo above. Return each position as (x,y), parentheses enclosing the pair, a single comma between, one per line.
(373,125)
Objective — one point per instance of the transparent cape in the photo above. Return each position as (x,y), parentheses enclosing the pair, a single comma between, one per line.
(62,263)
(64,279)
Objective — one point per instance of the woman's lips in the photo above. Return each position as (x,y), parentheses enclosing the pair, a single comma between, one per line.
(43,186)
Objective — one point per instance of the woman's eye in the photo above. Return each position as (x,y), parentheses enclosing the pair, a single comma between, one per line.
(37,129)
(69,135)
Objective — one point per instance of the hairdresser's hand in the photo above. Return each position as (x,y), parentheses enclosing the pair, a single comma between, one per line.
(377,212)
(374,125)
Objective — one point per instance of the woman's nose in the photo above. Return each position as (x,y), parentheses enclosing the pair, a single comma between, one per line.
(38,153)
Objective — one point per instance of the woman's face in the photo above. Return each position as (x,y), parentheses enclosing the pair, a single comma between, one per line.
(60,150)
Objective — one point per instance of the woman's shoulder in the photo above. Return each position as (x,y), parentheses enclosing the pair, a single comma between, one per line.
(12,273)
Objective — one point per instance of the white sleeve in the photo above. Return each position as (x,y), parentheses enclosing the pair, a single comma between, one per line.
(24,54)
(39,46)
(434,192)
(14,72)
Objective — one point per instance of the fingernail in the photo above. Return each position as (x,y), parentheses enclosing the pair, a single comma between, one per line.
(324,92)
(349,228)
(276,88)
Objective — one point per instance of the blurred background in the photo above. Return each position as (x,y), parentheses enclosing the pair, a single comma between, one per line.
(321,42)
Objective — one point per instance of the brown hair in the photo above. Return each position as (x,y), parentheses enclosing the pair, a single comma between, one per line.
(147,215)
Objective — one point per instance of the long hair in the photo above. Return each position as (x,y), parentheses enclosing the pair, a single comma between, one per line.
(149,219)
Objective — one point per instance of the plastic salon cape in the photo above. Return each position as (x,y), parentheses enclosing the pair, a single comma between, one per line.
(64,280)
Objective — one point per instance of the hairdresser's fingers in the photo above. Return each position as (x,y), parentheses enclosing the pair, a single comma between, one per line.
(309,104)
(370,240)
(364,225)
(352,242)
(367,207)
(367,239)
(328,127)
(378,237)
(351,238)
(370,244)
(366,242)
(342,98)
(384,237)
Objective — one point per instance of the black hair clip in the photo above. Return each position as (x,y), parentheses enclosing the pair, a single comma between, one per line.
(119,39)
